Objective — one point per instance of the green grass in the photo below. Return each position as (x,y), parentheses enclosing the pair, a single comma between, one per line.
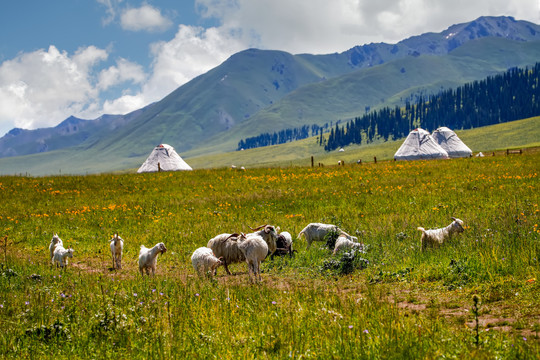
(405,304)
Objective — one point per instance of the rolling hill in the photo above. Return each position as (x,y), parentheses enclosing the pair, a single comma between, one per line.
(256,91)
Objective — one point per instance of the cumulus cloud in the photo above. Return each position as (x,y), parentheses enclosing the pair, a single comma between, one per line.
(320,26)
(38,88)
(124,71)
(145,18)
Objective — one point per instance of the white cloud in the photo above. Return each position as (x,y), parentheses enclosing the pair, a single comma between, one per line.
(124,71)
(145,18)
(321,26)
(39,88)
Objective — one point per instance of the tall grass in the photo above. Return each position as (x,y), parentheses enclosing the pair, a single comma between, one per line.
(405,304)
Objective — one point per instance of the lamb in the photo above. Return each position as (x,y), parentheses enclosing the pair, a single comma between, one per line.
(284,245)
(60,256)
(437,237)
(148,258)
(343,243)
(204,260)
(117,245)
(317,232)
(225,247)
(55,241)
(255,250)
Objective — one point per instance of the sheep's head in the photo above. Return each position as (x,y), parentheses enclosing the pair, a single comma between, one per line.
(457,225)
(116,238)
(161,248)
(70,252)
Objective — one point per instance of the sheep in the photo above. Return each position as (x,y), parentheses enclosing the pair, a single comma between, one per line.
(55,241)
(436,237)
(148,258)
(60,256)
(255,250)
(225,247)
(117,246)
(318,232)
(204,260)
(343,242)
(284,244)
(269,235)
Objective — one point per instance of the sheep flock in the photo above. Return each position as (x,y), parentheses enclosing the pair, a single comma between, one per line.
(265,241)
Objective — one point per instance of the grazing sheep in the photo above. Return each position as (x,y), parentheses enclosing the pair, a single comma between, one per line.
(204,260)
(255,250)
(117,246)
(60,256)
(317,232)
(436,237)
(225,247)
(55,241)
(148,258)
(284,245)
(343,243)
(269,235)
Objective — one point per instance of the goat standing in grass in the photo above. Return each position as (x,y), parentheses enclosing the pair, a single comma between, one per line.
(117,246)
(148,258)
(436,237)
(55,241)
(60,256)
(255,250)
(205,262)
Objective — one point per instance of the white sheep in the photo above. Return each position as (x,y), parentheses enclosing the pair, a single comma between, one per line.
(317,232)
(225,247)
(117,246)
(255,251)
(436,237)
(343,243)
(148,258)
(60,256)
(55,241)
(204,261)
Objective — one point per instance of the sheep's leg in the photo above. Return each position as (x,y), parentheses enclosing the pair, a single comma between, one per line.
(259,270)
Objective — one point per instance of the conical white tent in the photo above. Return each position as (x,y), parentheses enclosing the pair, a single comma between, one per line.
(167,158)
(450,142)
(420,145)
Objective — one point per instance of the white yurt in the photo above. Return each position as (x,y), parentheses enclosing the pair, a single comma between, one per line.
(450,142)
(163,158)
(420,145)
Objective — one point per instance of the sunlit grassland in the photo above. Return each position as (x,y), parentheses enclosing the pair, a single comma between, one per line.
(405,304)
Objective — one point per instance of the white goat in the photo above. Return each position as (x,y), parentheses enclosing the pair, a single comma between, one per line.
(148,258)
(204,261)
(55,241)
(343,243)
(60,256)
(117,246)
(317,232)
(255,251)
(269,235)
(225,247)
(436,237)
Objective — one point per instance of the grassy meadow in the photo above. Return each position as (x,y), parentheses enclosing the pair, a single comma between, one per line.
(402,303)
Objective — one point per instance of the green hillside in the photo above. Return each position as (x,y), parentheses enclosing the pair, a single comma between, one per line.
(389,84)
(515,134)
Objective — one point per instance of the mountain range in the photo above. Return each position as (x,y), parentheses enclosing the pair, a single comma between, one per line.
(256,91)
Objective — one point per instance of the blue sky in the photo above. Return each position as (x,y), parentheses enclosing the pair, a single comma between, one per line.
(92,57)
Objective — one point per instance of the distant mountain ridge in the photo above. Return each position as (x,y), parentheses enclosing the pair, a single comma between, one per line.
(256,90)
